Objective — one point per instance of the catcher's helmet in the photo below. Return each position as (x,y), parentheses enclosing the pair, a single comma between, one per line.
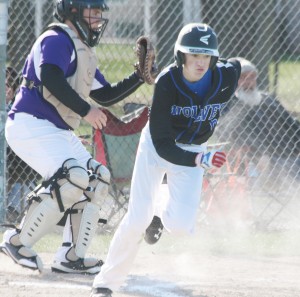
(73,11)
(196,38)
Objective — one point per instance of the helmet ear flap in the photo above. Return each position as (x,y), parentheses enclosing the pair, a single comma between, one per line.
(180,58)
(213,62)
(59,12)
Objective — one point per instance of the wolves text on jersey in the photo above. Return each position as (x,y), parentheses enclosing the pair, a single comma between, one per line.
(208,112)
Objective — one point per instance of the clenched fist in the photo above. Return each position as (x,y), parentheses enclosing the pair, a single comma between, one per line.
(211,159)
(96,118)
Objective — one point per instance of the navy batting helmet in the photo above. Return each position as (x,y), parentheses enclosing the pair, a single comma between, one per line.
(196,38)
(73,11)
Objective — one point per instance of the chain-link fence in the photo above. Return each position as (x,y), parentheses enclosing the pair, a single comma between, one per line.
(262,187)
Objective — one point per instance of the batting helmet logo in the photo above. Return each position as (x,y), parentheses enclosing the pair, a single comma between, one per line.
(204,39)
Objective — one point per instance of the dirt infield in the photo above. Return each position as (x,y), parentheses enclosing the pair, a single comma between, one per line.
(208,265)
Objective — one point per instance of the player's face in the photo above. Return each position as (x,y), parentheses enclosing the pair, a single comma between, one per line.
(248,81)
(247,90)
(93,16)
(195,66)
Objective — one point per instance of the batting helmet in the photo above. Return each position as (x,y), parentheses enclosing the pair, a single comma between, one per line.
(196,38)
(72,10)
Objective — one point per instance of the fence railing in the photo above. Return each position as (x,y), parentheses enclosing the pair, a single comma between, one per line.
(265,32)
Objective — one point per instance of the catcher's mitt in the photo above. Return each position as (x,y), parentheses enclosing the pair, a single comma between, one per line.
(146,67)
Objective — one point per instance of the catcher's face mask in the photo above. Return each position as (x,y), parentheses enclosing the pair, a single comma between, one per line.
(93,25)
(90,25)
(86,16)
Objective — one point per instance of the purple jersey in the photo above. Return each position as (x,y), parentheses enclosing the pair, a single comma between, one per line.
(52,47)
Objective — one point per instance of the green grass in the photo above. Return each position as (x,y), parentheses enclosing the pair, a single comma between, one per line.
(50,243)
(216,242)
(288,87)
(116,61)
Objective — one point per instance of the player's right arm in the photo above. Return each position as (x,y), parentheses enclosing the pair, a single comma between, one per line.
(52,77)
(54,70)
(161,126)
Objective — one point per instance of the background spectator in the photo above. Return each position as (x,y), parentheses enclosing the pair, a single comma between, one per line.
(258,122)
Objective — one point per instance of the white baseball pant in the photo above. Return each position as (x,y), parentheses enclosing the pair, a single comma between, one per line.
(178,212)
(42,145)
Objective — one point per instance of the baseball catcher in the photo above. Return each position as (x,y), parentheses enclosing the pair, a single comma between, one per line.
(59,76)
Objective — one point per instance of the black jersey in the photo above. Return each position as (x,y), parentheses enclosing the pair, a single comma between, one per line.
(178,115)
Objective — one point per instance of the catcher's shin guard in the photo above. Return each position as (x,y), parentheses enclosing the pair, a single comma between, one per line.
(42,215)
(84,215)
(80,228)
(84,225)
(81,225)
(44,211)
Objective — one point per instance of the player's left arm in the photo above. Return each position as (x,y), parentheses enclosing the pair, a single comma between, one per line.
(107,94)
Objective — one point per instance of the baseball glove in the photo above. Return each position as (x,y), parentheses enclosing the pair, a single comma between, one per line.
(146,67)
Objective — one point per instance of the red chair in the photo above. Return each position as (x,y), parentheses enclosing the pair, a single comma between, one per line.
(116,146)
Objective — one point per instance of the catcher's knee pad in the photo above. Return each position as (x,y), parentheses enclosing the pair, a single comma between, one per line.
(84,218)
(69,183)
(42,215)
(98,182)
(98,168)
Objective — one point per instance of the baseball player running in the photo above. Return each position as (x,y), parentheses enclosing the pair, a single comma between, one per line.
(60,73)
(187,101)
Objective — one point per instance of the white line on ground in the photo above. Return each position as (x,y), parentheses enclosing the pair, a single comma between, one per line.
(56,285)
(160,289)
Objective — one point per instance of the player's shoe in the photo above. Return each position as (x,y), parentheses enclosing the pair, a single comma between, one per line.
(20,254)
(80,266)
(101,292)
(154,231)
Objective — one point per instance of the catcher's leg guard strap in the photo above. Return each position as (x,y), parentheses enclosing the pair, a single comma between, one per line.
(97,190)
(99,179)
(68,183)
(42,215)
(99,169)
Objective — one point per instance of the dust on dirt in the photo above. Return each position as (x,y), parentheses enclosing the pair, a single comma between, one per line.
(212,263)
